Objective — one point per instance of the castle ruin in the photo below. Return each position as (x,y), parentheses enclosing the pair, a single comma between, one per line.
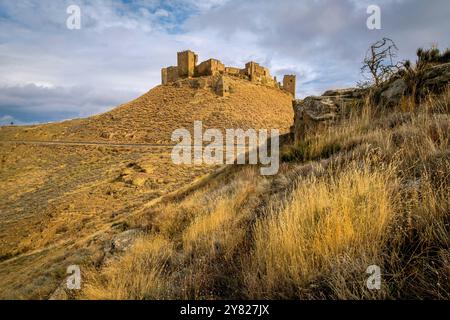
(289,83)
(187,67)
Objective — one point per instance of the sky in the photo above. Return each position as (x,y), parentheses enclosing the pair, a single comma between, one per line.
(49,72)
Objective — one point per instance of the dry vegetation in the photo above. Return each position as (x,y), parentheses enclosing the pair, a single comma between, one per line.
(374,190)
(152,117)
(62,203)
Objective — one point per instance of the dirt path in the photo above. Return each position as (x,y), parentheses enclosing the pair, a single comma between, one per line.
(90,143)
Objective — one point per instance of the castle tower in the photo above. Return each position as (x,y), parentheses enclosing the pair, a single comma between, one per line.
(164,76)
(187,60)
(289,84)
(251,70)
(169,75)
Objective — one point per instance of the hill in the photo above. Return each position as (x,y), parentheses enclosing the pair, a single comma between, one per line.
(373,190)
(63,203)
(359,190)
(363,186)
(152,117)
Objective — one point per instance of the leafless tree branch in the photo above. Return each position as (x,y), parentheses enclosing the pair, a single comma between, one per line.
(379,61)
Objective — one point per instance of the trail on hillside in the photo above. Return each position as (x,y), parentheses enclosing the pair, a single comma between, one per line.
(67,187)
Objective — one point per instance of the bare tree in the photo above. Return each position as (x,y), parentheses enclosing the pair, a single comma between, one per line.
(379,61)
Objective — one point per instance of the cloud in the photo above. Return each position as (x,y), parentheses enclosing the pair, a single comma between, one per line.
(323,41)
(161,13)
(7,119)
(49,73)
(32,103)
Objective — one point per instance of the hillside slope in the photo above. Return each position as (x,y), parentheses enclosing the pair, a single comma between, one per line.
(152,117)
(371,190)
(63,203)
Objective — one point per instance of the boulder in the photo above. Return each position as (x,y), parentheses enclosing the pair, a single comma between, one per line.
(222,88)
(119,244)
(123,241)
(435,79)
(393,93)
(311,113)
(314,112)
(346,93)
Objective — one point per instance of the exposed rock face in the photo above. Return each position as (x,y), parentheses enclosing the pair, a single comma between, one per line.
(313,112)
(349,93)
(435,79)
(219,84)
(119,244)
(432,80)
(222,88)
(393,93)
(123,241)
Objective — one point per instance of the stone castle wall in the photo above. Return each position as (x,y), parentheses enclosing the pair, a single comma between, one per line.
(169,75)
(187,68)
(209,68)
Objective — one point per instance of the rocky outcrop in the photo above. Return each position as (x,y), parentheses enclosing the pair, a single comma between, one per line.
(435,79)
(432,80)
(393,93)
(116,245)
(314,112)
(119,244)
(348,93)
(219,84)
(123,241)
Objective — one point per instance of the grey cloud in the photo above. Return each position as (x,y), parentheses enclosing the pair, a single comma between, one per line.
(327,37)
(31,103)
(118,53)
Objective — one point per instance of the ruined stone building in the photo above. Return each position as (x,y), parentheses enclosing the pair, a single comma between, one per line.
(187,67)
(186,60)
(289,83)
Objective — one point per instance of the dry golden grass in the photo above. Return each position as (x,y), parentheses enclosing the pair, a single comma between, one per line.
(373,190)
(153,117)
(327,224)
(219,230)
(62,203)
(205,229)
(381,197)
(138,275)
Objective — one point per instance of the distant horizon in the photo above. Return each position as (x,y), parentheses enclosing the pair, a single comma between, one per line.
(51,73)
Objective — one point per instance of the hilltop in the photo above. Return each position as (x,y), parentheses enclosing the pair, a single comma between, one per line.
(152,117)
